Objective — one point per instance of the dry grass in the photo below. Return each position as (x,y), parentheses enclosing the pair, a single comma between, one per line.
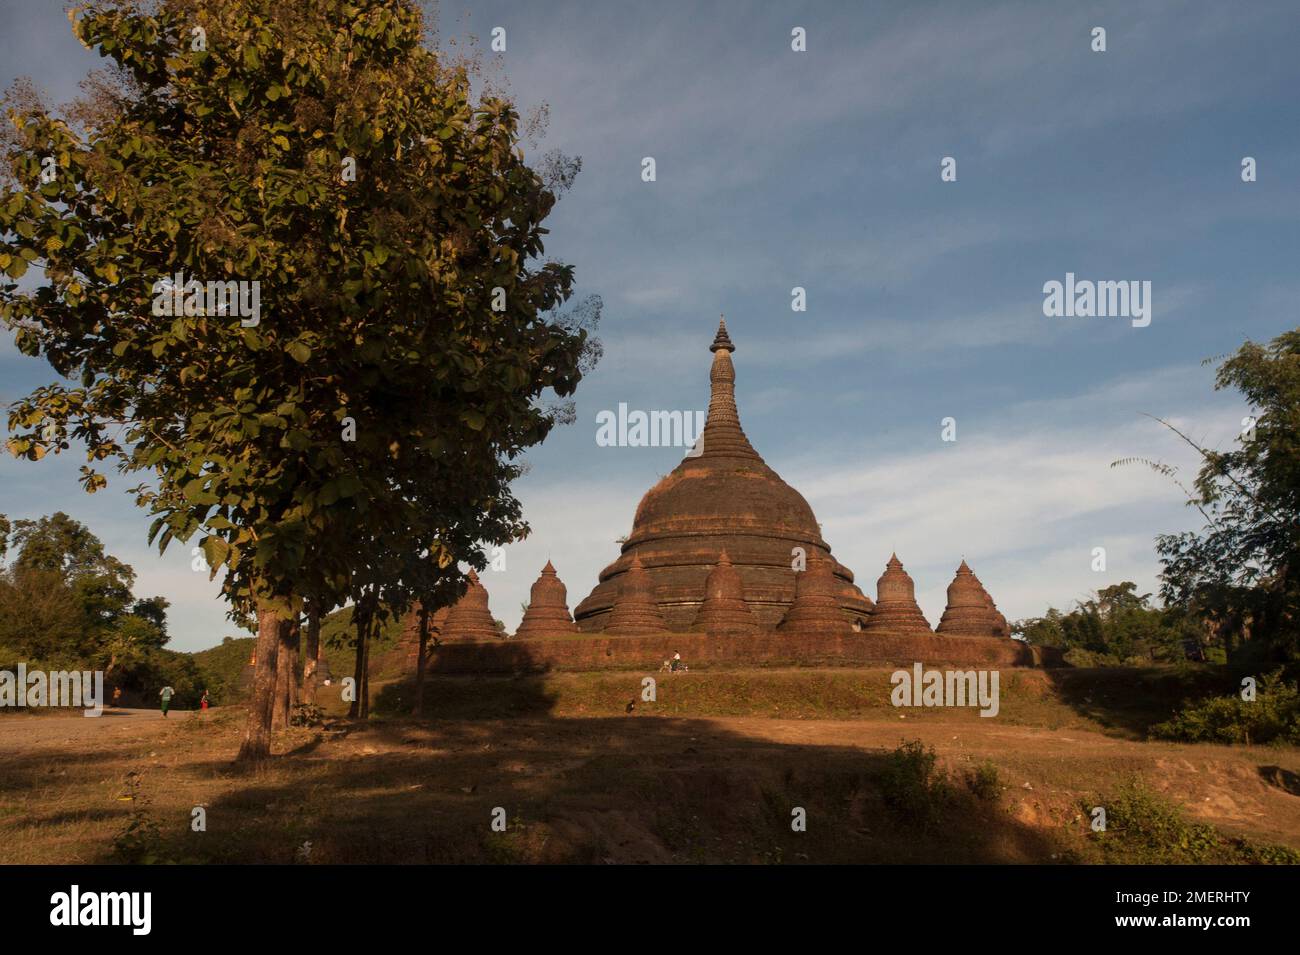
(709,772)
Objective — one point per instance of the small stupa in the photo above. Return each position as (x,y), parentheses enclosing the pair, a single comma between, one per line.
(971,611)
(816,606)
(724,609)
(548,607)
(896,608)
(410,639)
(248,673)
(635,609)
(470,618)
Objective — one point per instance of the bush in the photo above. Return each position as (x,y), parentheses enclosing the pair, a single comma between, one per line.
(911,786)
(306,714)
(985,782)
(1143,828)
(1274,715)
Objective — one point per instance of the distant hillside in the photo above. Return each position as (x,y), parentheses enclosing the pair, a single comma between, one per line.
(221,666)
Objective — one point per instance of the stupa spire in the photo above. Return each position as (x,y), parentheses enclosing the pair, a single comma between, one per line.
(723,435)
(722,339)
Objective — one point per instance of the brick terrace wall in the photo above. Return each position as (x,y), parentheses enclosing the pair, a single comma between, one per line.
(599,652)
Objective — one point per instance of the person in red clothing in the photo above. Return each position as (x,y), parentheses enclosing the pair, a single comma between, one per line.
(203,702)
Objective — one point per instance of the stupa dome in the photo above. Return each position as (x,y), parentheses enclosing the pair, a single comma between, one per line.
(721,496)
(816,602)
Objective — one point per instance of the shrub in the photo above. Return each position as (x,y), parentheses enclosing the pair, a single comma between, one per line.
(985,782)
(1144,828)
(1274,715)
(911,785)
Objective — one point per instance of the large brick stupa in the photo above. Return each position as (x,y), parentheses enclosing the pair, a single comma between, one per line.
(721,497)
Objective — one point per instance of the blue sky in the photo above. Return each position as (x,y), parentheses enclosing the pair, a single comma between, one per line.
(820,169)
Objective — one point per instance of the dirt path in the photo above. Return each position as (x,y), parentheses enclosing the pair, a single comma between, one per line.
(24,732)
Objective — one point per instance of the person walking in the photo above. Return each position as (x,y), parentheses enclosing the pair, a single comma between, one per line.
(166,693)
(203,702)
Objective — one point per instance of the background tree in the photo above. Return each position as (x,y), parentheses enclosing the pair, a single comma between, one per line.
(1115,626)
(408,327)
(1241,571)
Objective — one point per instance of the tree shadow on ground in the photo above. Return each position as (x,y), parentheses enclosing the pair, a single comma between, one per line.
(1128,701)
(629,789)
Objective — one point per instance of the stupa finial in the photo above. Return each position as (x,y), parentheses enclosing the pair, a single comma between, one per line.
(722,339)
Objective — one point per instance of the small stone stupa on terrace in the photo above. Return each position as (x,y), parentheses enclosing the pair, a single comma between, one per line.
(816,607)
(636,610)
(722,496)
(896,608)
(548,607)
(724,609)
(971,611)
(469,618)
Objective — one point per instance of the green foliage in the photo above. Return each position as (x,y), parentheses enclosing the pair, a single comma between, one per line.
(1274,715)
(1242,569)
(912,787)
(376,294)
(67,604)
(984,782)
(140,838)
(306,714)
(220,667)
(1116,626)
(1144,828)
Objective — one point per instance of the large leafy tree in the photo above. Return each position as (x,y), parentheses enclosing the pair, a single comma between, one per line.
(64,597)
(408,327)
(1242,568)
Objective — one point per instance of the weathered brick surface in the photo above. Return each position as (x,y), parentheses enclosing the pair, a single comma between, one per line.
(700,651)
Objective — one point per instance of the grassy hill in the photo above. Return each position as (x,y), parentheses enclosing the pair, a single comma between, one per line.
(220,666)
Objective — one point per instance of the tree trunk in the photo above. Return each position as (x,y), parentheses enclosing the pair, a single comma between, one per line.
(359,616)
(365,673)
(257,732)
(420,662)
(311,653)
(295,651)
(283,677)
